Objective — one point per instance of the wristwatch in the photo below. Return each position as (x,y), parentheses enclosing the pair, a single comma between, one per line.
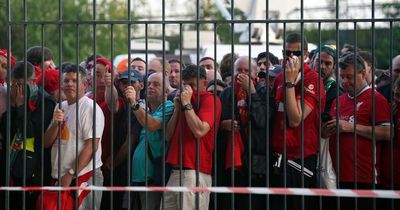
(71,172)
(187,107)
(289,84)
(135,107)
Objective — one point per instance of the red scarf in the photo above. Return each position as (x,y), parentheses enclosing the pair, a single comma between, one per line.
(241,96)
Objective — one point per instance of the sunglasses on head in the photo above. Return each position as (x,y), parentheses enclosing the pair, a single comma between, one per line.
(296,53)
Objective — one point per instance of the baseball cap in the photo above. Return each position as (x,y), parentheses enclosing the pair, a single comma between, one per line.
(135,76)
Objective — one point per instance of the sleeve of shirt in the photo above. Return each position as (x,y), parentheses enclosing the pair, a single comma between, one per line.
(312,92)
(382,112)
(87,122)
(206,111)
(169,109)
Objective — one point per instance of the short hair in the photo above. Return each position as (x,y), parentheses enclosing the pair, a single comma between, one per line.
(367,56)
(350,48)
(296,38)
(252,62)
(206,58)
(217,82)
(350,59)
(227,62)
(18,72)
(93,57)
(34,55)
(272,58)
(191,71)
(138,59)
(69,67)
(176,61)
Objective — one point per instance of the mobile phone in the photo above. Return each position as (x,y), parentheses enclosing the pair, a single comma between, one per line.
(325,117)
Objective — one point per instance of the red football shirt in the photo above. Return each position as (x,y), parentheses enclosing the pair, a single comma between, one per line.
(386,151)
(293,135)
(207,114)
(364,153)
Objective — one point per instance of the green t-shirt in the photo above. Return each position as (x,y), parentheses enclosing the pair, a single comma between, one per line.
(155,142)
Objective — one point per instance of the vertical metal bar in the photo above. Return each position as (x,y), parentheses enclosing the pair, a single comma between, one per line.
(42,119)
(355,114)
(337,103)
(94,104)
(77,110)
(249,111)
(302,98)
(373,102)
(215,122)
(319,108)
(267,84)
(129,162)
(392,119)
(180,119)
(146,143)
(233,107)
(164,88)
(198,100)
(25,107)
(59,104)
(7,146)
(112,105)
(284,159)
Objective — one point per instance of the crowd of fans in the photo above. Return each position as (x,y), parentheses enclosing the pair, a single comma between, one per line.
(238,122)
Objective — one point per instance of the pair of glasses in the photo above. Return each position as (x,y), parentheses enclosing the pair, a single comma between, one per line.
(295,52)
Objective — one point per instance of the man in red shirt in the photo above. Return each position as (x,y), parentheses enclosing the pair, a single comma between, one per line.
(287,129)
(197,126)
(357,98)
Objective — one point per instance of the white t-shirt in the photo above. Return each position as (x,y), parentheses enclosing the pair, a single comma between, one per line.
(85,131)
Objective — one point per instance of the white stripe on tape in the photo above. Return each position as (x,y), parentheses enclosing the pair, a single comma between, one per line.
(395,194)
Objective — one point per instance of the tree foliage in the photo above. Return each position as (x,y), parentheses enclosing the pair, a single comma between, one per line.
(45,14)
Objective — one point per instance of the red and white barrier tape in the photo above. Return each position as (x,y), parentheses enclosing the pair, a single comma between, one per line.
(243,190)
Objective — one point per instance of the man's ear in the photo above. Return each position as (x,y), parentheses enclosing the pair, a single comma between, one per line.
(141,85)
(306,54)
(205,83)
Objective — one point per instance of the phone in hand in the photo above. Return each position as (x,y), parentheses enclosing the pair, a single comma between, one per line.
(325,117)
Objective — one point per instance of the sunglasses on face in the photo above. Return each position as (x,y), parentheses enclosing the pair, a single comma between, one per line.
(290,52)
(89,66)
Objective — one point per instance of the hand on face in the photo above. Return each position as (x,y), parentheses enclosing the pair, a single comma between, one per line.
(17,94)
(107,79)
(186,94)
(244,81)
(293,65)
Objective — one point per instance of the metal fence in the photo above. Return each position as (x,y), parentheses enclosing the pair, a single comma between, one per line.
(231,187)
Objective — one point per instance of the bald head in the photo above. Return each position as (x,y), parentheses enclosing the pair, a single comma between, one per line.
(242,66)
(396,67)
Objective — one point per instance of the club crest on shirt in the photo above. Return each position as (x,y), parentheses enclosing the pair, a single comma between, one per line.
(310,89)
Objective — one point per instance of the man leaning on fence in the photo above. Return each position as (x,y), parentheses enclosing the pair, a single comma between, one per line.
(194,122)
(83,152)
(160,111)
(288,94)
(357,98)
